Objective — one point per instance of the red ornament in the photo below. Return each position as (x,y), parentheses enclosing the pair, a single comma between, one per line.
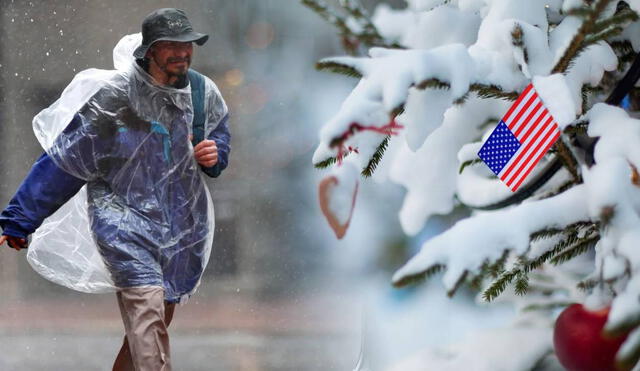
(580,343)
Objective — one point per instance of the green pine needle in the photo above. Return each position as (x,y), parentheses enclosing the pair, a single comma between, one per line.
(376,158)
(582,246)
(498,286)
(622,47)
(397,110)
(433,84)
(338,68)
(468,163)
(419,277)
(622,18)
(493,92)
(587,284)
(604,35)
(522,284)
(577,44)
(581,12)
(461,280)
(325,163)
(520,272)
(497,268)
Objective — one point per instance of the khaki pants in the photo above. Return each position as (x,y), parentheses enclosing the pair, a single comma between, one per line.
(146,317)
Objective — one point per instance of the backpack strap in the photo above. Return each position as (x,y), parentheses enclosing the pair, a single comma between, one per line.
(197,98)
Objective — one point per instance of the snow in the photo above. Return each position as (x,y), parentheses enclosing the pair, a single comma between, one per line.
(472,241)
(442,131)
(618,133)
(609,186)
(589,67)
(557,98)
(629,34)
(423,5)
(568,5)
(432,103)
(426,31)
(430,174)
(387,77)
(527,11)
(391,23)
(491,350)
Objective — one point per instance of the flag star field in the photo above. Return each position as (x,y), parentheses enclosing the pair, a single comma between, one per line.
(499,148)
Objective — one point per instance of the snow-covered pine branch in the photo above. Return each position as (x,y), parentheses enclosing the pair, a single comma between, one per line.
(471,242)
(462,64)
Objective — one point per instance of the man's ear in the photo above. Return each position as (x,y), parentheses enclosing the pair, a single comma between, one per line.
(150,52)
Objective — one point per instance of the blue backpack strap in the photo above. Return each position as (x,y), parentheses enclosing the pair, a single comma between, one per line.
(197,98)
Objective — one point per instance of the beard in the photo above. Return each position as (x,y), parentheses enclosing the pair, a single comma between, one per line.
(175,70)
(176,74)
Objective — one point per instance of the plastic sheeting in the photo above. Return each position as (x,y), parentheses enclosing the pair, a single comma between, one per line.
(145,216)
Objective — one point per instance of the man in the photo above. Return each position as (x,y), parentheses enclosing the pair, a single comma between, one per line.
(150,213)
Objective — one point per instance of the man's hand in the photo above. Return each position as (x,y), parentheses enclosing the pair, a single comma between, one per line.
(14,242)
(206,153)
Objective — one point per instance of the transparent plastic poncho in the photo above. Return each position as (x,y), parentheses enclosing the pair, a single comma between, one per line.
(144,216)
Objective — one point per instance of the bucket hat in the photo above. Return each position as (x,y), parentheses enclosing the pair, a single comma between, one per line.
(167,24)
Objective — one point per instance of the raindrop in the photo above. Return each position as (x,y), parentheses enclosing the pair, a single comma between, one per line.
(13,20)
(47,53)
(31,20)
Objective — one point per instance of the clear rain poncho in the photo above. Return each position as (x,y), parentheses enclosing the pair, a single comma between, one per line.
(145,216)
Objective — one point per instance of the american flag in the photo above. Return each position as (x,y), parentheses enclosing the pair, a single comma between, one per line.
(522,137)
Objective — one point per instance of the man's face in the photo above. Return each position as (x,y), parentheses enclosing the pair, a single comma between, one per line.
(173,57)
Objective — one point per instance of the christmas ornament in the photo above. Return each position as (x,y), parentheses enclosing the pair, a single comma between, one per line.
(580,343)
(337,201)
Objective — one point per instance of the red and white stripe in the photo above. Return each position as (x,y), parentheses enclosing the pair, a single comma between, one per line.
(536,130)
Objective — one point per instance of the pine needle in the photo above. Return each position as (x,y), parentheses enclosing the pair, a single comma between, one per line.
(376,158)
(579,248)
(419,277)
(468,163)
(338,68)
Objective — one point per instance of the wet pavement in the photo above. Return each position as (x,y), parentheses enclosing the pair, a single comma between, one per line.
(224,351)
(226,334)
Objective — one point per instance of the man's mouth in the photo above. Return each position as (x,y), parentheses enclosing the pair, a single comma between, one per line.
(176,61)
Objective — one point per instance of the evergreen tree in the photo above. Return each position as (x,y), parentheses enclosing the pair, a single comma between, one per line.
(434,79)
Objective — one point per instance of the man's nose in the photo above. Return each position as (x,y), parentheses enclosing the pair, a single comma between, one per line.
(181,53)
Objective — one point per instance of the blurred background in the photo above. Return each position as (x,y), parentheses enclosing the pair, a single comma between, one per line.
(280,292)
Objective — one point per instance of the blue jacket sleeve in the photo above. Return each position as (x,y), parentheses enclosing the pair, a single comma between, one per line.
(222,137)
(43,191)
